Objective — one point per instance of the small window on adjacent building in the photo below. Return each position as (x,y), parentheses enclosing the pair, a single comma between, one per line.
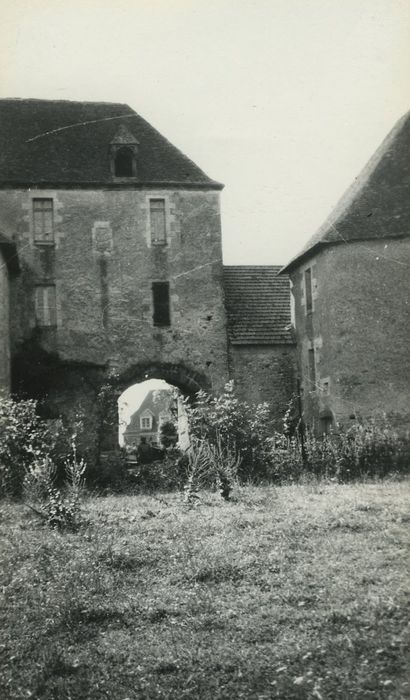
(308,289)
(146,422)
(312,369)
(160,298)
(45,305)
(157,221)
(124,163)
(43,225)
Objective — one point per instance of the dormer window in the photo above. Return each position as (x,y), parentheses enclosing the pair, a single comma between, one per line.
(123,152)
(123,162)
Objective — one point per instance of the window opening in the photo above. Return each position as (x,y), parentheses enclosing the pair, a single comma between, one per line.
(123,163)
(160,297)
(146,422)
(157,221)
(308,289)
(45,305)
(312,368)
(43,221)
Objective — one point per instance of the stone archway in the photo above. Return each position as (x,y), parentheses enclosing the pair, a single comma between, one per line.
(188,381)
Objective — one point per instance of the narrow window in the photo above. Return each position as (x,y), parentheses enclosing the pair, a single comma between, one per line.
(123,163)
(157,221)
(308,289)
(45,305)
(146,422)
(312,369)
(43,221)
(160,297)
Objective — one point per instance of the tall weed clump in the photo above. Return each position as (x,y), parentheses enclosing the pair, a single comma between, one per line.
(59,507)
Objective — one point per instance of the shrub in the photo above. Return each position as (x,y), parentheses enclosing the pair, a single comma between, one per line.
(371,449)
(24,440)
(236,423)
(111,473)
(167,474)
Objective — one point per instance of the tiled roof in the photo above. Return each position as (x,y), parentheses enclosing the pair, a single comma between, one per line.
(59,142)
(377,204)
(257,304)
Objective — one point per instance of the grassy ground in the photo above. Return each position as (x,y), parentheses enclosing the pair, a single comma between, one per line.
(295,592)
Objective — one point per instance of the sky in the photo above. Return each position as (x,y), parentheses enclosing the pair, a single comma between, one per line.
(283,101)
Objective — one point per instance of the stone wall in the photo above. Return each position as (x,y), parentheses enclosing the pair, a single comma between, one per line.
(265,373)
(359,329)
(4,327)
(103,265)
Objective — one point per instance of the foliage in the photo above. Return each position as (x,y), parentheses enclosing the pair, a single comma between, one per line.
(24,439)
(168,435)
(110,473)
(167,474)
(233,422)
(210,465)
(366,450)
(59,508)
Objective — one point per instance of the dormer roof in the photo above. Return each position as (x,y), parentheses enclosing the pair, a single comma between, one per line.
(60,143)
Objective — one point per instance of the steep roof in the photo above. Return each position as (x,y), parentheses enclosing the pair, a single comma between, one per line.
(377,204)
(257,304)
(59,142)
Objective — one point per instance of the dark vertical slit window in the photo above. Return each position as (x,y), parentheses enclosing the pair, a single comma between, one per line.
(160,297)
(124,163)
(312,369)
(157,219)
(308,289)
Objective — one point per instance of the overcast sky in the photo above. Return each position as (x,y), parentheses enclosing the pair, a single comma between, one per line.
(281,100)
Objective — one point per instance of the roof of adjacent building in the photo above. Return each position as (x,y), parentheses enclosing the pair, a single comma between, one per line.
(60,142)
(258,305)
(377,204)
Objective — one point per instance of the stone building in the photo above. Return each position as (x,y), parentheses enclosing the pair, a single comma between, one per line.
(351,290)
(146,421)
(118,237)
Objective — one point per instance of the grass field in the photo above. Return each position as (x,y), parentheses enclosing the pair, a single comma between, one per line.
(294,592)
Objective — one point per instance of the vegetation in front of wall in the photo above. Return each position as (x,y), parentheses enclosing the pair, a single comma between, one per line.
(368,450)
(234,424)
(371,449)
(58,507)
(24,440)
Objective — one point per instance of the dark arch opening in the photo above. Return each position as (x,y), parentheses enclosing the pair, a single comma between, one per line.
(124,163)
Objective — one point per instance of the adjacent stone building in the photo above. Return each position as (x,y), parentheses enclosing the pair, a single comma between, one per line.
(121,279)
(351,290)
(146,421)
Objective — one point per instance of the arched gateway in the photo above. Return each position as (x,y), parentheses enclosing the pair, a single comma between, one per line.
(188,381)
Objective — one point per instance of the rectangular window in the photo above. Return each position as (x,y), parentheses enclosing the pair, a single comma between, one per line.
(157,221)
(308,289)
(45,305)
(43,225)
(146,422)
(312,369)
(160,298)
